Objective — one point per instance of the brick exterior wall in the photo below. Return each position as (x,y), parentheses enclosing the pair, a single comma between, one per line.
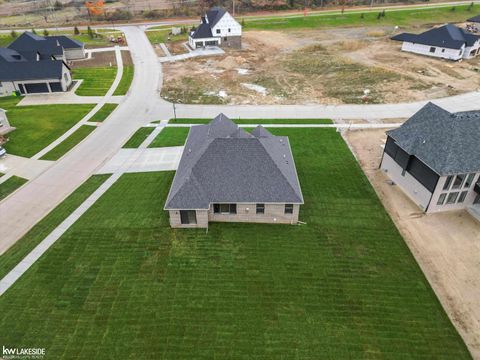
(175,222)
(232,42)
(274,214)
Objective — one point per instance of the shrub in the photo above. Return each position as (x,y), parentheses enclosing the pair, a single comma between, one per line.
(57,5)
(90,32)
(34,31)
(119,14)
(453,8)
(45,32)
(76,31)
(362,16)
(13,34)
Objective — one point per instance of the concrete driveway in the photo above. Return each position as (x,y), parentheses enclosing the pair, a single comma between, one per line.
(146,160)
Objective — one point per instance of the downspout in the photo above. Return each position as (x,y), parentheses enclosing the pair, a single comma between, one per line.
(431,197)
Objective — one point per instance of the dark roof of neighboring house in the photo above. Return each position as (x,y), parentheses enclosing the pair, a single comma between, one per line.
(223,163)
(31,42)
(475,19)
(214,15)
(446,142)
(66,42)
(447,36)
(30,70)
(202,32)
(10,55)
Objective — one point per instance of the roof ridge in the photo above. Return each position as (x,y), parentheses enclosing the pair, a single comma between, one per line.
(276,165)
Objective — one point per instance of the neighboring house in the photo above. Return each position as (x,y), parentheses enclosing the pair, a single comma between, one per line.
(5,127)
(435,158)
(34,64)
(476,22)
(61,47)
(446,42)
(218,28)
(227,174)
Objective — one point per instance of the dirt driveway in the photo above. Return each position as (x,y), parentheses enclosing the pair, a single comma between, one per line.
(446,246)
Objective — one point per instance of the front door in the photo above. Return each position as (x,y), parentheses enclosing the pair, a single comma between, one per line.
(188,217)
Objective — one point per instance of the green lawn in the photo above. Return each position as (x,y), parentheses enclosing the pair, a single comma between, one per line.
(170,136)
(253,121)
(10,185)
(96,81)
(122,284)
(22,247)
(161,36)
(406,17)
(69,143)
(103,113)
(126,81)
(5,40)
(38,126)
(139,137)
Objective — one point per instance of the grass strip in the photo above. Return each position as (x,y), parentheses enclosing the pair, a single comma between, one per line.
(170,136)
(103,113)
(126,80)
(69,143)
(253,121)
(139,137)
(10,185)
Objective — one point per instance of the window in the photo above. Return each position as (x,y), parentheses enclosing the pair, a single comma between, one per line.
(218,31)
(260,208)
(452,197)
(457,184)
(188,217)
(229,30)
(443,50)
(441,199)
(462,196)
(469,181)
(446,186)
(288,208)
(225,208)
(432,49)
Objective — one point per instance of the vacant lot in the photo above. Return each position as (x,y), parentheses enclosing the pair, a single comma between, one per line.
(121,282)
(329,66)
(445,245)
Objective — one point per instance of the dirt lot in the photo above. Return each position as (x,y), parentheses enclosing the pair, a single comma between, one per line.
(446,246)
(100,59)
(318,66)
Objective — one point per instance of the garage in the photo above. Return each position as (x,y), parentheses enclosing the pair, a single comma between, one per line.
(56,86)
(35,88)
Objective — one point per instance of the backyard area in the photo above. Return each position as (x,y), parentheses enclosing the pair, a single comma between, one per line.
(450,261)
(38,126)
(328,66)
(122,282)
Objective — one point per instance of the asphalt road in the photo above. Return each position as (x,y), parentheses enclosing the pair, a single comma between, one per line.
(24,208)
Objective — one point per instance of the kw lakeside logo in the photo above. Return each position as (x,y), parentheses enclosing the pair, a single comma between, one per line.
(23,353)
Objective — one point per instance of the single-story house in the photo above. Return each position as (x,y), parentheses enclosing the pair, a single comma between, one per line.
(446,42)
(36,64)
(61,47)
(435,158)
(227,174)
(217,28)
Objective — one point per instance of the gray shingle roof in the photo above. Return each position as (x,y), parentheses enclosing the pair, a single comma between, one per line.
(447,36)
(447,143)
(222,163)
(31,42)
(214,15)
(474,19)
(202,32)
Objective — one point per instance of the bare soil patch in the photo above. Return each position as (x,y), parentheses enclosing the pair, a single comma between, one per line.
(99,59)
(318,66)
(445,245)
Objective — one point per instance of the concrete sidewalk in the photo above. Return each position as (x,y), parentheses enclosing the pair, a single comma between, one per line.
(208,51)
(465,102)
